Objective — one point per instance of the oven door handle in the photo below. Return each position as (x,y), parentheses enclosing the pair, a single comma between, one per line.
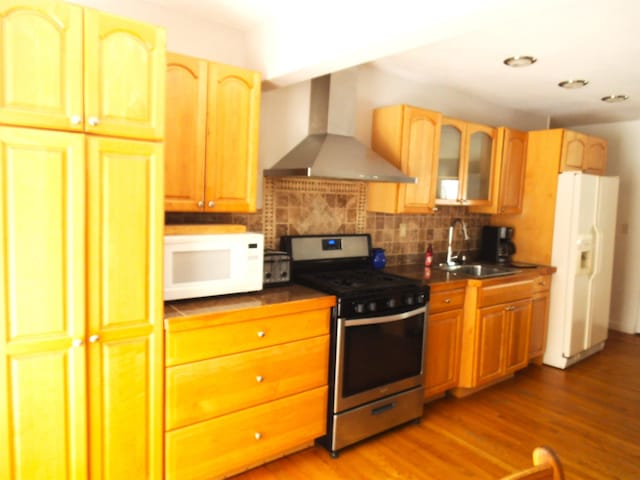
(386,319)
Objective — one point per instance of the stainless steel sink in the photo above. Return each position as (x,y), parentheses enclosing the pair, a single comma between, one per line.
(479,270)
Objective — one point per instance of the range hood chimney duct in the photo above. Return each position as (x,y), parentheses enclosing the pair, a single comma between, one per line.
(330,150)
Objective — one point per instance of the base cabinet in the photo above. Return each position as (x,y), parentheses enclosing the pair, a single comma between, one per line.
(245,387)
(539,318)
(496,331)
(442,357)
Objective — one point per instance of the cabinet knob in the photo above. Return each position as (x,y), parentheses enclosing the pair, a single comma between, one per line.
(542,284)
(435,209)
(447,300)
(94,338)
(259,378)
(76,119)
(211,204)
(257,435)
(261,333)
(93,121)
(200,204)
(510,308)
(76,342)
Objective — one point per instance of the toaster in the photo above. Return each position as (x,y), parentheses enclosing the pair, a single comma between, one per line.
(277,268)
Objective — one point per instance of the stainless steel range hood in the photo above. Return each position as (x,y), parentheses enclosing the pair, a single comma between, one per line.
(330,150)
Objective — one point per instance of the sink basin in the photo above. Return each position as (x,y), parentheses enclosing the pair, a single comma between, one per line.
(479,270)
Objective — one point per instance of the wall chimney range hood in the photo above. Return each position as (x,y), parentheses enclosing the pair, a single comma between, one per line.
(330,150)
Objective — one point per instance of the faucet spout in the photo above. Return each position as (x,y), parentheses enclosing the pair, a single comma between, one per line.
(451,259)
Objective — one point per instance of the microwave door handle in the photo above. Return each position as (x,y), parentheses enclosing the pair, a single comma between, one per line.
(385,319)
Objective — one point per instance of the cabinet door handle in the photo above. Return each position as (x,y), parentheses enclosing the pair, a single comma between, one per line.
(75,119)
(257,435)
(76,342)
(261,334)
(510,308)
(94,121)
(200,204)
(94,338)
(211,204)
(259,378)
(542,284)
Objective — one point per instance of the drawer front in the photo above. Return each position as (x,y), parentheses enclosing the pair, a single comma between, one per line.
(201,390)
(542,283)
(504,292)
(446,300)
(232,442)
(202,343)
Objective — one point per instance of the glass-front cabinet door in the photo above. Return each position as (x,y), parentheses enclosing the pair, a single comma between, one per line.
(449,185)
(465,163)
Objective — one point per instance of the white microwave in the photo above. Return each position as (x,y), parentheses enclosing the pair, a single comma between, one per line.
(212,264)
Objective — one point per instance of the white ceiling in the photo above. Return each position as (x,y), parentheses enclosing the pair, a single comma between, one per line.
(594,40)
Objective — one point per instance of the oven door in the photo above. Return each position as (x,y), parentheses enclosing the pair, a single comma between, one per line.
(378,356)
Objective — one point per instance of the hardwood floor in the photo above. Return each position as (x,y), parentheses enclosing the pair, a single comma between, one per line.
(589,414)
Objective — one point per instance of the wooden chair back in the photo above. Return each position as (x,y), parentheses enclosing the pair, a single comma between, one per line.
(546,466)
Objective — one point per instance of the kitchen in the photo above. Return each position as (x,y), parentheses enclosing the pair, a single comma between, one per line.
(434,222)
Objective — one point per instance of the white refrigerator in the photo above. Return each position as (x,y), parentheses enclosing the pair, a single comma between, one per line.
(583,244)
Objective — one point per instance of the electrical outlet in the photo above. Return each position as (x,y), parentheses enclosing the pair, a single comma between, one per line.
(403,230)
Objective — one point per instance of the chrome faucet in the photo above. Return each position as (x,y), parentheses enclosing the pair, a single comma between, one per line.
(454,260)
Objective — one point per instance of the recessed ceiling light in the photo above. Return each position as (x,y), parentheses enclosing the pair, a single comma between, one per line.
(520,61)
(615,98)
(571,84)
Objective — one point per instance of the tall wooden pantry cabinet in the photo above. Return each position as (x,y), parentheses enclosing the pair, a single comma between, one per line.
(81,219)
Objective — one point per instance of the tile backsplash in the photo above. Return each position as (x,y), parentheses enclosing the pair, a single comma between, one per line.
(296,206)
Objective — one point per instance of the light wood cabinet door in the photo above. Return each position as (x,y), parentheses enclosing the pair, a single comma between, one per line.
(539,321)
(409,138)
(184,143)
(595,161)
(124,77)
(233,115)
(42,286)
(517,340)
(442,359)
(125,327)
(490,349)
(41,64)
(574,147)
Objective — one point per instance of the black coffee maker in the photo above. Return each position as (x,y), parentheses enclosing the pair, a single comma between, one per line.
(496,245)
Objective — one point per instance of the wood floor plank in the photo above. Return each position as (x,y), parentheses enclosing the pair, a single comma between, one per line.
(589,414)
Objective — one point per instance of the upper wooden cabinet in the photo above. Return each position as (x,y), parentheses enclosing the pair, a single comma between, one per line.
(465,174)
(211,146)
(509,171)
(583,152)
(86,70)
(408,137)
(548,153)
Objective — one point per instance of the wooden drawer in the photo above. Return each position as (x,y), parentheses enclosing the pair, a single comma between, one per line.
(210,388)
(446,300)
(504,292)
(542,283)
(202,343)
(230,443)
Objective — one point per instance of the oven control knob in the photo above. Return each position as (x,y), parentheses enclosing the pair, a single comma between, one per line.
(409,300)
(420,298)
(358,307)
(391,303)
(371,306)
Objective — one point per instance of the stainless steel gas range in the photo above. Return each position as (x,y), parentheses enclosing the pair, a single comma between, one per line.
(378,335)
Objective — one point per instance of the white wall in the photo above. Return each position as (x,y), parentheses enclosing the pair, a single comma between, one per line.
(624,161)
(186,34)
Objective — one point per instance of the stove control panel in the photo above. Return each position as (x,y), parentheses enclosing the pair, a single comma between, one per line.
(382,304)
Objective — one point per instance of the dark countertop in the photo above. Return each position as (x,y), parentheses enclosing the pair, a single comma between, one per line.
(176,309)
(440,279)
(434,277)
